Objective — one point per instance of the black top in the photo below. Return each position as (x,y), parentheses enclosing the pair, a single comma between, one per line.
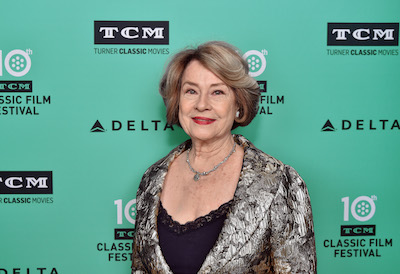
(185,247)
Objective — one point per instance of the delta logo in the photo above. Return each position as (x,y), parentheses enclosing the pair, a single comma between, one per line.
(131,125)
(97,127)
(362,125)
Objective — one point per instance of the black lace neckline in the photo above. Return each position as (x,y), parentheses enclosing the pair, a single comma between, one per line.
(201,221)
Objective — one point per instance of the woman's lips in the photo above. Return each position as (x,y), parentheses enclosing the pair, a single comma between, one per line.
(203,120)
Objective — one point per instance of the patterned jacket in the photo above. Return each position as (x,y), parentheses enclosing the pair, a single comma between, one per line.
(269,228)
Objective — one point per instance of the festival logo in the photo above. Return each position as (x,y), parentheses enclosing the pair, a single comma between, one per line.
(358,235)
(17,63)
(18,99)
(116,250)
(257,64)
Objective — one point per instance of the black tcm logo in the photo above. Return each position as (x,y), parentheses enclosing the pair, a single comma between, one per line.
(15,86)
(357,230)
(124,234)
(262,85)
(328,126)
(97,127)
(26,182)
(131,32)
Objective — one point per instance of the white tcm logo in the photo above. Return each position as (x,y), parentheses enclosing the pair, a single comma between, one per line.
(133,32)
(16,182)
(256,61)
(364,34)
(17,62)
(362,208)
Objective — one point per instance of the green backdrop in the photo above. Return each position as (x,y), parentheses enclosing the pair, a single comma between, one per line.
(350,164)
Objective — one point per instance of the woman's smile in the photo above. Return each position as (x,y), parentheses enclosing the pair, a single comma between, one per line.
(203,120)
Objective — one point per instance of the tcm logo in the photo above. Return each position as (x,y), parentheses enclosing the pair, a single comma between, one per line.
(256,61)
(17,62)
(363,34)
(26,182)
(124,233)
(357,230)
(131,32)
(15,86)
(262,85)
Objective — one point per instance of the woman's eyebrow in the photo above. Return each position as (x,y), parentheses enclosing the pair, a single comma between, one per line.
(212,85)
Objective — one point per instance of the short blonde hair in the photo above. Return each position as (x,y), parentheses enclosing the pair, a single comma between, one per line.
(226,63)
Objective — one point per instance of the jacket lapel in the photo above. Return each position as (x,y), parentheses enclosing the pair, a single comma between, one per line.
(155,259)
(252,199)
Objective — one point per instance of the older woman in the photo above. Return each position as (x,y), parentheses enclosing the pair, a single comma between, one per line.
(216,203)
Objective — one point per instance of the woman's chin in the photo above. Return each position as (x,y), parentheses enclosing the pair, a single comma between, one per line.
(206,135)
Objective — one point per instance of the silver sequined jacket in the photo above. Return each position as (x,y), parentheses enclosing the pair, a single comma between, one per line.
(268,230)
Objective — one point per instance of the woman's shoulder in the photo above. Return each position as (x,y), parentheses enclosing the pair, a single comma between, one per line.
(165,161)
(261,162)
(257,158)
(160,167)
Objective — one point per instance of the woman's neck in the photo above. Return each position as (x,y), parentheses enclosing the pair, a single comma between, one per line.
(204,155)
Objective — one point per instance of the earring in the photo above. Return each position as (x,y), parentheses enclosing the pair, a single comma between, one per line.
(237,114)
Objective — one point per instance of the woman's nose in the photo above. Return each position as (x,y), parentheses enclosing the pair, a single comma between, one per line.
(203,102)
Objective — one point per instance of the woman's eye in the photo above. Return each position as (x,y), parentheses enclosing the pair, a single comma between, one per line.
(190,91)
(218,92)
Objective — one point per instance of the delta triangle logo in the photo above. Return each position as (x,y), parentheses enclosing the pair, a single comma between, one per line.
(97,127)
(328,126)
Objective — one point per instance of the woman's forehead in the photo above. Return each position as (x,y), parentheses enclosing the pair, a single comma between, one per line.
(196,73)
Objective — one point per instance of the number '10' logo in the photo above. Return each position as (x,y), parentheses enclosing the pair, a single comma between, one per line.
(362,208)
(129,211)
(17,62)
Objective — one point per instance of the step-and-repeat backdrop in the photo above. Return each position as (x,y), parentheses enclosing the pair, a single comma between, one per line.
(81,120)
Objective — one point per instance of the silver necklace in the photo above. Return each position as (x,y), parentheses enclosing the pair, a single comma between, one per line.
(198,174)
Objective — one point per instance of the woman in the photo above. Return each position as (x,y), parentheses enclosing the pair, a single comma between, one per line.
(217,204)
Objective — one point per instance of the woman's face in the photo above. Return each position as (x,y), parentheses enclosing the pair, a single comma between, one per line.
(207,106)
